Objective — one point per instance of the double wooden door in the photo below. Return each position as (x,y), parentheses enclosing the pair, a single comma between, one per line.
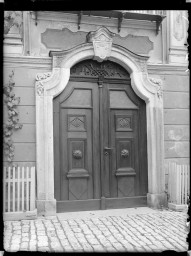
(100,150)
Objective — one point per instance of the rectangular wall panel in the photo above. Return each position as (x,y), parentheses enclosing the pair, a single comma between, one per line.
(25,152)
(176,116)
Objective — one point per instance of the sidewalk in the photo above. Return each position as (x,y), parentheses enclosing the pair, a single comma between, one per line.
(134,230)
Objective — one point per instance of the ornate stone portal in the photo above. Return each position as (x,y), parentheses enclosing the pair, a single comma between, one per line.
(51,86)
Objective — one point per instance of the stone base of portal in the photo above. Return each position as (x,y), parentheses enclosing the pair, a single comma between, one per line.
(46,207)
(157,201)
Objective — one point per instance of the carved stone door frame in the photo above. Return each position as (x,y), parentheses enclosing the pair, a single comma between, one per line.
(49,85)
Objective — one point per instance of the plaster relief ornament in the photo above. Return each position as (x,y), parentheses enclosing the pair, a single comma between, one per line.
(39,84)
(102,42)
(11,19)
(158,82)
(39,88)
(42,76)
(178,25)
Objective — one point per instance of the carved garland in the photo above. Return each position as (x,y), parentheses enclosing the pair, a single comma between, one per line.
(13,120)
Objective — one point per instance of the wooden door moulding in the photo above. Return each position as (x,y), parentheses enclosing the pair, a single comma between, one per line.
(48,87)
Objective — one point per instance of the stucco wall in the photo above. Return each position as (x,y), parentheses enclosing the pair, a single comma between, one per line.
(24,139)
(55,23)
(176,119)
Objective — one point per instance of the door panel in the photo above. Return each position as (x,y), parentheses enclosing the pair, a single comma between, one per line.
(119,99)
(76,123)
(77,167)
(125,167)
(127,138)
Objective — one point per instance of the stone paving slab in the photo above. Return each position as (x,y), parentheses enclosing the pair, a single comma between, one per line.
(125,230)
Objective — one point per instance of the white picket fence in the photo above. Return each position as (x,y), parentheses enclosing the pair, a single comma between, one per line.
(18,192)
(178,183)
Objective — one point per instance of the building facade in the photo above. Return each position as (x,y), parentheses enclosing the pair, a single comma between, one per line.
(104,105)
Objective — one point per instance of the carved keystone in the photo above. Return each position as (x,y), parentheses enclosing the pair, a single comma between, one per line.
(102,42)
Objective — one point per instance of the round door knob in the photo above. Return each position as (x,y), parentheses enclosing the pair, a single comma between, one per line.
(77,154)
(124,153)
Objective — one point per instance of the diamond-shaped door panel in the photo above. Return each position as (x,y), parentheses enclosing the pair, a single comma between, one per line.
(76,123)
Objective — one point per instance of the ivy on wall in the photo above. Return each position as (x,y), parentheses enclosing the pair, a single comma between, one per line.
(12,123)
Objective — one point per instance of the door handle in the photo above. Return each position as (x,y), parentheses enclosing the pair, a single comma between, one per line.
(106,148)
(107,151)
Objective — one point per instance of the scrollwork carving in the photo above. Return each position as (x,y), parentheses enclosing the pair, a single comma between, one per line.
(39,88)
(106,69)
(39,85)
(158,82)
(42,76)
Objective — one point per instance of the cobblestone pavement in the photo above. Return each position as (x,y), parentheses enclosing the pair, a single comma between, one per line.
(139,232)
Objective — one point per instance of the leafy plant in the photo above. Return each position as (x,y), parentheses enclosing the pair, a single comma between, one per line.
(12,123)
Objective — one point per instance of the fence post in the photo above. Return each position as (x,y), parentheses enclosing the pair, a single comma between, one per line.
(32,188)
(4,189)
(27,188)
(22,173)
(184,177)
(169,181)
(18,189)
(9,181)
(186,183)
(13,182)
(178,183)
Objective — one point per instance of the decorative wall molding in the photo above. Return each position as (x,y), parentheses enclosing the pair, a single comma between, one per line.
(46,63)
(59,57)
(28,62)
(167,69)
